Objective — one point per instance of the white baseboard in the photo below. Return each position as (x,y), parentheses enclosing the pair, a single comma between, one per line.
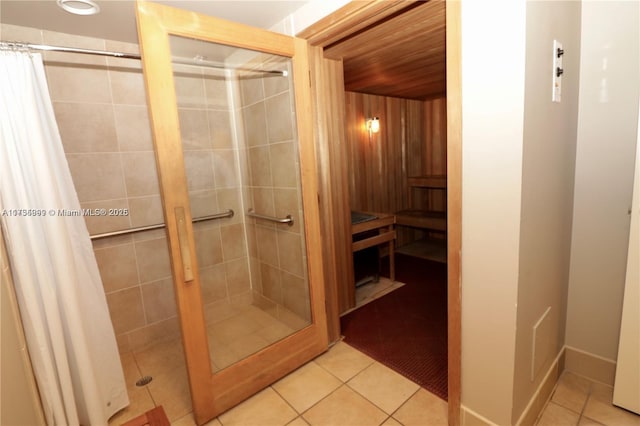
(591,366)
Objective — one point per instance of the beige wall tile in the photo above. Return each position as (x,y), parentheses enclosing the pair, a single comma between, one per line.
(251,89)
(117,267)
(123,47)
(86,127)
(275,84)
(255,125)
(112,241)
(159,300)
(284,167)
(213,283)
(125,307)
(100,224)
(238,279)
(287,203)
(220,125)
(153,260)
(127,82)
(229,198)
(154,333)
(295,295)
(208,246)
(204,203)
(279,118)
(71,81)
(225,169)
(267,246)
(199,168)
(260,166)
(263,203)
(216,89)
(290,253)
(189,86)
(271,283)
(252,243)
(233,241)
(146,211)
(133,128)
(140,175)
(97,176)
(194,129)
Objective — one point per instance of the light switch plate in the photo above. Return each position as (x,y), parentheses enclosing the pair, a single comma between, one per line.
(556,95)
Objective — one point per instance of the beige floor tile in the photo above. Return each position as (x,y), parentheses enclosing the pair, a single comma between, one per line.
(139,403)
(383,386)
(423,408)
(298,421)
(343,361)
(344,407)
(555,415)
(130,369)
(247,345)
(608,414)
(187,420)
(161,357)
(586,421)
(306,386)
(602,392)
(276,331)
(266,408)
(391,422)
(171,390)
(571,392)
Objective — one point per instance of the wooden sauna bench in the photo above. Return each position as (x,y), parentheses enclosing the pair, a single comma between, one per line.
(432,249)
(424,219)
(384,224)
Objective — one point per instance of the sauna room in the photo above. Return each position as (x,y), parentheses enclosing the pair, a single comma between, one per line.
(396,154)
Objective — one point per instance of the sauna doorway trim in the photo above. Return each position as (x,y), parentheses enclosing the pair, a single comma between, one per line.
(328,95)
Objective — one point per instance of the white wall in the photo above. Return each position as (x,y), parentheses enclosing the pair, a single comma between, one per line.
(547,191)
(493,61)
(607,129)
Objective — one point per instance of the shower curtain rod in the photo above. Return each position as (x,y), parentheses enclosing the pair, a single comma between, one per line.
(14,45)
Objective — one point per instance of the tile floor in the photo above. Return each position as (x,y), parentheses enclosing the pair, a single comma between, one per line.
(341,387)
(579,401)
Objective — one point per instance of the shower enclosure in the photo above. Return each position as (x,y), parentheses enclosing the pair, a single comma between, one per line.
(229,107)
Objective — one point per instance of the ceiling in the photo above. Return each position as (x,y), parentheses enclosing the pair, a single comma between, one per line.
(402,56)
(116,20)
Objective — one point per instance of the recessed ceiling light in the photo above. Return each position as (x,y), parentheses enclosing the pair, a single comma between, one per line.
(79,7)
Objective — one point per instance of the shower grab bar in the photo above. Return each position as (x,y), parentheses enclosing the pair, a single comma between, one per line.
(228,213)
(288,220)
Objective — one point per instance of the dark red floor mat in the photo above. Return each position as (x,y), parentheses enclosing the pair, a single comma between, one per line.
(406,330)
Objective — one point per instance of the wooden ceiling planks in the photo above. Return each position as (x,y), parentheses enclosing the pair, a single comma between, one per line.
(404,56)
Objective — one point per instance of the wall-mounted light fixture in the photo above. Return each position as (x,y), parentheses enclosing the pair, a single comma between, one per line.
(373,124)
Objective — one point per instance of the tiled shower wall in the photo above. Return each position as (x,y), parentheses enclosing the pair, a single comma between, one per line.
(277,251)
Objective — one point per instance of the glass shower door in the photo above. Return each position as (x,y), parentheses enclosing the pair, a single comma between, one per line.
(230,114)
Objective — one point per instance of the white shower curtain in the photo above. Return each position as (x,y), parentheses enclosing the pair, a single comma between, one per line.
(62,303)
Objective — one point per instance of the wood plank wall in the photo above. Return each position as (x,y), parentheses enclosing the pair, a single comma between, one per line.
(411,142)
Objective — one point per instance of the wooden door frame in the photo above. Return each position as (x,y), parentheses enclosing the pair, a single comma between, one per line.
(347,20)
